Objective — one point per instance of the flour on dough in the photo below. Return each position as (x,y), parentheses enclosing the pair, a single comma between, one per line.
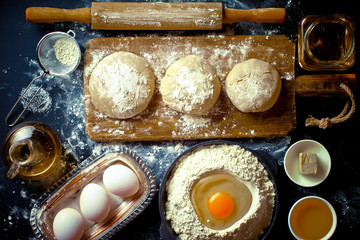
(122,85)
(253,86)
(190,86)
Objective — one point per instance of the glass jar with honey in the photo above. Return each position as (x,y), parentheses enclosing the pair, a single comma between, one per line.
(326,42)
(31,150)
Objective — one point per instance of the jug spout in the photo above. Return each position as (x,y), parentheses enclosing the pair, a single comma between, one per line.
(23,153)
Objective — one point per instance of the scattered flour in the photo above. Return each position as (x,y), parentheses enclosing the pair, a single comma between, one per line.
(97,56)
(42,101)
(195,121)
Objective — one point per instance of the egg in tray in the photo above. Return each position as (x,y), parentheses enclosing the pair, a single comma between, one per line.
(103,194)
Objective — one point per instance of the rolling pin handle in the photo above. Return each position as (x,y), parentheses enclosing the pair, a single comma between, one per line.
(262,15)
(48,15)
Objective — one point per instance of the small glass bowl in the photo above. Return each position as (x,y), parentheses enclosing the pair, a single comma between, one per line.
(326,42)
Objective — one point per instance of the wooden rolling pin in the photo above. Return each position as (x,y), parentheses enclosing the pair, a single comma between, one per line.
(155,16)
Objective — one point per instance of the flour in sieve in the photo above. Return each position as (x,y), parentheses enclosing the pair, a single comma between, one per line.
(66,51)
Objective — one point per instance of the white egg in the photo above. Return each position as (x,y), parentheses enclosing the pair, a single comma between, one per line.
(94,202)
(68,224)
(121,180)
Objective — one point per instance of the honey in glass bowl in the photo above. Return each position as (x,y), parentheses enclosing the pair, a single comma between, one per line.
(312,218)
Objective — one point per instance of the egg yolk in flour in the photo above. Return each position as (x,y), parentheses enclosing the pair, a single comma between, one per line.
(220,200)
(220,205)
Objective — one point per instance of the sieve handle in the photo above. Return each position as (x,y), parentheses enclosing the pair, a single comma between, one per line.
(27,106)
(47,15)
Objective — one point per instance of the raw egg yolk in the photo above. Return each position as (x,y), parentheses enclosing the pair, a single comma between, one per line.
(220,199)
(220,205)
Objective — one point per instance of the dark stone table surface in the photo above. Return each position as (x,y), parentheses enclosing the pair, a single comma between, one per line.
(61,107)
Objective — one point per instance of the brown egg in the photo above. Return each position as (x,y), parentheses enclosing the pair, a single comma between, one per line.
(220,200)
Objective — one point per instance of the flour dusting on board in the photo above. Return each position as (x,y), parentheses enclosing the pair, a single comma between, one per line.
(222,52)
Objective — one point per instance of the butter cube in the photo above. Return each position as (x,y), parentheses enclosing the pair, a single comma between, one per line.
(308,163)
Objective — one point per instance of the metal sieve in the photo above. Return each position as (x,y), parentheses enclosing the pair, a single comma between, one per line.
(51,63)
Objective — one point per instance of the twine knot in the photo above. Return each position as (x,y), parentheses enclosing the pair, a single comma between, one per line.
(325,123)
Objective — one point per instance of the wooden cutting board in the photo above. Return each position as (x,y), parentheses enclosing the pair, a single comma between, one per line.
(158,122)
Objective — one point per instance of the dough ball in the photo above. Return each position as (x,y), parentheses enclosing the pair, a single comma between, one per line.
(122,85)
(253,86)
(190,85)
